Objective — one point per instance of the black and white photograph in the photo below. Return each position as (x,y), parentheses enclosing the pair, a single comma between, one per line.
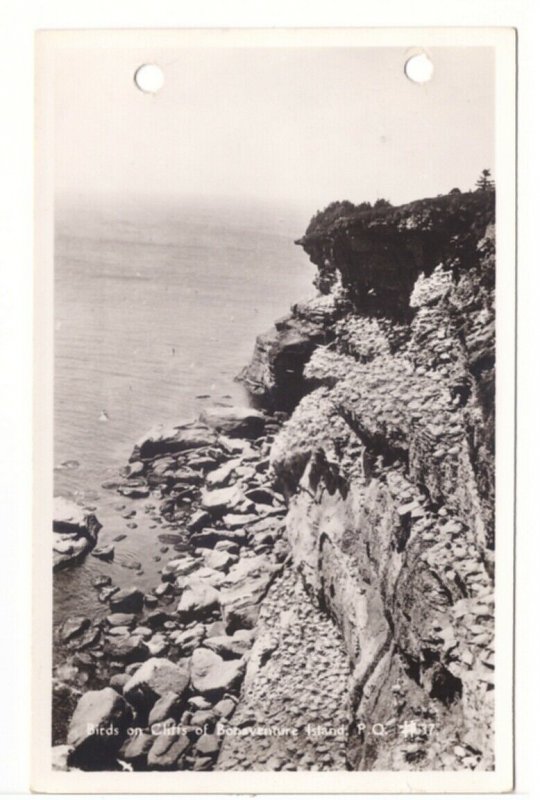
(278,311)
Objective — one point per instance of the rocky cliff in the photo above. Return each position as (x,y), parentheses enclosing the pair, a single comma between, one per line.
(387,464)
(329,602)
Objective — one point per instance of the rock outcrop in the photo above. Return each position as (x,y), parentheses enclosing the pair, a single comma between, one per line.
(387,464)
(75,532)
(329,602)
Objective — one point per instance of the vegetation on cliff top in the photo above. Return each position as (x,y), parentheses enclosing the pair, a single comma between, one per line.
(426,214)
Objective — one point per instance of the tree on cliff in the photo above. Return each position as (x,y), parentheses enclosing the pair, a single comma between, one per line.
(382,203)
(485,183)
(332,212)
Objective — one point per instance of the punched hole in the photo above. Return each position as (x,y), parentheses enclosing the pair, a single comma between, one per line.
(149,78)
(419,68)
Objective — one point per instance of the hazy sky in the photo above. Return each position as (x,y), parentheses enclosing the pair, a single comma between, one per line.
(305,126)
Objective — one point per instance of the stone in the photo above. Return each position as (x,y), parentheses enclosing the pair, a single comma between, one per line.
(184,565)
(135,469)
(185,475)
(121,619)
(118,681)
(240,613)
(71,546)
(136,748)
(262,538)
(161,441)
(106,593)
(234,421)
(60,755)
(98,727)
(261,494)
(197,601)
(150,600)
(203,718)
(101,581)
(128,562)
(119,630)
(198,703)
(228,646)
(211,537)
(211,676)
(156,619)
(233,521)
(218,501)
(221,476)
(89,638)
(143,630)
(199,520)
(126,648)
(203,764)
(246,585)
(73,627)
(105,553)
(157,645)
(228,547)
(225,708)
(68,517)
(187,641)
(135,492)
(129,600)
(207,744)
(202,462)
(154,679)
(163,590)
(167,707)
(218,559)
(167,751)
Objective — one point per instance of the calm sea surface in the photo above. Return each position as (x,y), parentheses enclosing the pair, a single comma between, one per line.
(154,307)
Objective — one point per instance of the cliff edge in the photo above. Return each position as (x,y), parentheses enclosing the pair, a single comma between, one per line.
(387,464)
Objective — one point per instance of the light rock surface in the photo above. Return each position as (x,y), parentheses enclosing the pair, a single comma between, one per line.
(98,726)
(234,421)
(155,679)
(211,676)
(75,532)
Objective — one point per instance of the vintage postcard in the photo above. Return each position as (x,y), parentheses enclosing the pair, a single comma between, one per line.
(274,424)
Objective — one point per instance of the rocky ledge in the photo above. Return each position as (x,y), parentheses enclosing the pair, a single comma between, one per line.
(75,532)
(330,603)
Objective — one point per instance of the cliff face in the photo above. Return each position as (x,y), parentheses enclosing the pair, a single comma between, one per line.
(387,462)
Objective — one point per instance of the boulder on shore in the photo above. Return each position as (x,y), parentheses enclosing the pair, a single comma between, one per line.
(219,501)
(167,751)
(198,600)
(129,600)
(68,517)
(155,679)
(212,676)
(98,727)
(234,421)
(74,627)
(162,441)
(126,647)
(75,532)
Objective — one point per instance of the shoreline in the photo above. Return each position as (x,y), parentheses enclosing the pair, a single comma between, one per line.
(214,475)
(354,537)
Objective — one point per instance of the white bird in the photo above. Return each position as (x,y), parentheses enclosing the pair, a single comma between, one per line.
(103,417)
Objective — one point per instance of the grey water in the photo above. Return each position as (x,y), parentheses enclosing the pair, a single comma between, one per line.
(157,307)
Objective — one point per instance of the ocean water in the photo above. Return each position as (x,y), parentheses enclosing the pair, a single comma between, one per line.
(157,307)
